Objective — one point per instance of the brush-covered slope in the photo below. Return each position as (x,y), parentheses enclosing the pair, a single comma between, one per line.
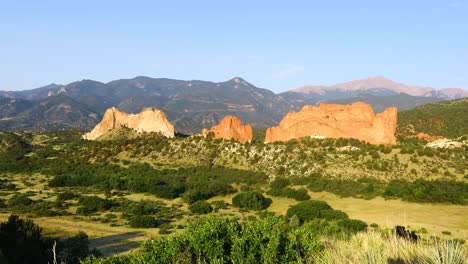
(447,119)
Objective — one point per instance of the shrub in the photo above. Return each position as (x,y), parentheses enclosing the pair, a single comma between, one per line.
(309,210)
(249,200)
(76,248)
(92,204)
(143,221)
(21,241)
(279,183)
(19,200)
(298,195)
(200,207)
(219,204)
(352,225)
(66,196)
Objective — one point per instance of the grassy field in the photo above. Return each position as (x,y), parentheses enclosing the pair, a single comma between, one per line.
(122,239)
(388,213)
(435,218)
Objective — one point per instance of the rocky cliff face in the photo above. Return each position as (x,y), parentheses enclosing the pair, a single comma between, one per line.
(149,120)
(337,121)
(231,128)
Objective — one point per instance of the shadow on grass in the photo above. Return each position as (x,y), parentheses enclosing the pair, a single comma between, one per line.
(116,244)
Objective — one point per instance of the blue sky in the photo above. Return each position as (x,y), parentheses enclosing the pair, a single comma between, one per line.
(277,45)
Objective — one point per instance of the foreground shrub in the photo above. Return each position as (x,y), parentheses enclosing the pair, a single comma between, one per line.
(212,239)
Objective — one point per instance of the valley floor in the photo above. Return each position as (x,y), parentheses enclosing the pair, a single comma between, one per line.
(435,218)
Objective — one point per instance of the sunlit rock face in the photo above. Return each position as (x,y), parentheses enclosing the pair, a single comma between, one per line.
(337,121)
(149,120)
(230,128)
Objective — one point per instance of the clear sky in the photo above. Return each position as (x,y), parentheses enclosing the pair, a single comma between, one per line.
(277,45)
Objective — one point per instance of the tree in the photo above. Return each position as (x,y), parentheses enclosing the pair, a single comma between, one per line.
(249,200)
(309,210)
(201,207)
(21,241)
(76,248)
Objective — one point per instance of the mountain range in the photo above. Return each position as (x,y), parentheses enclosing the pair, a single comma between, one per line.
(194,105)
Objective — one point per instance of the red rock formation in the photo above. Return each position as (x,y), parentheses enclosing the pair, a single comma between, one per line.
(231,128)
(426,137)
(149,120)
(337,121)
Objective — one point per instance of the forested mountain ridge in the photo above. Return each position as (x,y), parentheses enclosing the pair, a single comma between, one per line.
(193,105)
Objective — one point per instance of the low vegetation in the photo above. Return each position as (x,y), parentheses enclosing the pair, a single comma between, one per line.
(173,189)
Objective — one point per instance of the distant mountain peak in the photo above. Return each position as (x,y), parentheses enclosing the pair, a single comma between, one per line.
(239,81)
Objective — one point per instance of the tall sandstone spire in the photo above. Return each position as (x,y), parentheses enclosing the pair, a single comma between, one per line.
(149,120)
(230,128)
(337,121)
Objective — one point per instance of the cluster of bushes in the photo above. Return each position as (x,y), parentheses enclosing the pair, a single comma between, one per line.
(436,191)
(362,187)
(193,183)
(201,207)
(92,204)
(310,211)
(213,239)
(21,203)
(250,200)
(431,191)
(279,188)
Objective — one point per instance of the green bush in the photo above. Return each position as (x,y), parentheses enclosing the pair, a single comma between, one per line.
(66,196)
(279,183)
(19,200)
(143,221)
(92,204)
(249,200)
(201,207)
(298,195)
(309,210)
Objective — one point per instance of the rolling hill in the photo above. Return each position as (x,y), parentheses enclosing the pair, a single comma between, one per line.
(448,119)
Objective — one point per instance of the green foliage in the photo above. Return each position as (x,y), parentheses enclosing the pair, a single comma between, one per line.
(143,221)
(200,207)
(437,191)
(298,195)
(365,187)
(92,204)
(250,200)
(310,210)
(279,183)
(193,183)
(21,241)
(213,239)
(73,249)
(446,119)
(65,196)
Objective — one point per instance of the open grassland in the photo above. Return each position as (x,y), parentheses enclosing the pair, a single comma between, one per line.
(435,218)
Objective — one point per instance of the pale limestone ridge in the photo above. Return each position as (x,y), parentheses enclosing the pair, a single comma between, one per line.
(149,120)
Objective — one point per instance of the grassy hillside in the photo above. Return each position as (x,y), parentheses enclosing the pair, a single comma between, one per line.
(448,119)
